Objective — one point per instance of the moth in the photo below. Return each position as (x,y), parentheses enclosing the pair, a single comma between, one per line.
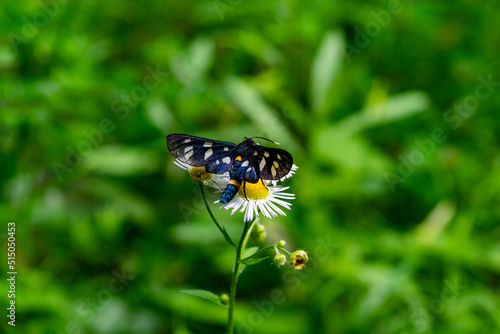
(246,161)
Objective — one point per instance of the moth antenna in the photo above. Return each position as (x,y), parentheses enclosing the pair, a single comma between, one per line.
(272,141)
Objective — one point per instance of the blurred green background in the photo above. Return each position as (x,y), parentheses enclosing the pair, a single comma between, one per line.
(389,108)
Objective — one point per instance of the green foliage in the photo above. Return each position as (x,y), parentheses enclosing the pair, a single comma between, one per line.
(205,295)
(390,114)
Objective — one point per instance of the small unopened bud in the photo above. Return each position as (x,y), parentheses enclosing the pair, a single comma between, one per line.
(258,233)
(281,243)
(298,259)
(280,259)
(224,298)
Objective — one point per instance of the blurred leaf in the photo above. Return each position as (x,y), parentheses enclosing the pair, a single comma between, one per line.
(340,145)
(110,317)
(325,68)
(190,233)
(133,204)
(159,114)
(393,109)
(263,117)
(252,261)
(201,53)
(82,233)
(352,150)
(191,65)
(249,101)
(205,295)
(119,160)
(7,56)
(257,45)
(434,224)
(110,218)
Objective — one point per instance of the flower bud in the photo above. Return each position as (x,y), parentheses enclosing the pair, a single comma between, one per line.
(258,233)
(298,259)
(281,243)
(280,259)
(224,298)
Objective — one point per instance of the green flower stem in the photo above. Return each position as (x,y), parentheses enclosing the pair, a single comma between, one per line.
(284,251)
(221,229)
(236,273)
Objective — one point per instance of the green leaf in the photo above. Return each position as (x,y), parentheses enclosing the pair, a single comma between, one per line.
(247,256)
(191,65)
(325,68)
(249,252)
(159,114)
(248,99)
(393,109)
(257,253)
(122,161)
(205,295)
(352,150)
(253,260)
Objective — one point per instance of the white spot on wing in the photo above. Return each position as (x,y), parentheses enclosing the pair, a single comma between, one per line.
(188,155)
(276,164)
(273,171)
(266,154)
(245,163)
(187,141)
(262,164)
(207,144)
(278,156)
(189,148)
(255,153)
(226,148)
(217,162)
(226,160)
(208,153)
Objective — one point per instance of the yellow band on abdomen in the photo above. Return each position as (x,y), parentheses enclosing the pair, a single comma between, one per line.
(235,183)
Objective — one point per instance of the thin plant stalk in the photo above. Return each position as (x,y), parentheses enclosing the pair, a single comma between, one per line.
(236,273)
(237,262)
(221,229)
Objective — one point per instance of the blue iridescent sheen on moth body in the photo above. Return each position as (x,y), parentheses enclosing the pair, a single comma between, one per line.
(234,183)
(229,193)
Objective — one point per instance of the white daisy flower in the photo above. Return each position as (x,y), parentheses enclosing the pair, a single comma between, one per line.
(262,196)
(217,181)
(290,174)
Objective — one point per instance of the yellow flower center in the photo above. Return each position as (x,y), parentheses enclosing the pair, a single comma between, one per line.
(254,191)
(200,174)
(299,259)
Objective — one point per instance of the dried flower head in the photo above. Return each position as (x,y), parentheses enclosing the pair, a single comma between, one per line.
(299,259)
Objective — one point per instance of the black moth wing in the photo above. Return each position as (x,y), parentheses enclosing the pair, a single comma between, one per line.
(247,172)
(271,163)
(215,155)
